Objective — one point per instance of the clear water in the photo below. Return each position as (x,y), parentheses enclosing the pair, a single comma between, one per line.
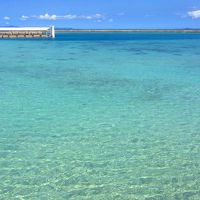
(100,116)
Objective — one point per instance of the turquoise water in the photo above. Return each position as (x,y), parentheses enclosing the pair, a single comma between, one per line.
(100,116)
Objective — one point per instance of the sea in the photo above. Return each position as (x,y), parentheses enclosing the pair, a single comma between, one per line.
(100,116)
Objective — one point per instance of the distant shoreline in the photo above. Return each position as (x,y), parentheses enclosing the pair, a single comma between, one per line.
(130,30)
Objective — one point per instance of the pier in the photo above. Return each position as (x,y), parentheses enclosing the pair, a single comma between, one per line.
(27,32)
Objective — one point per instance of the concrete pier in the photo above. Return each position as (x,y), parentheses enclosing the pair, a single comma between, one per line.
(27,32)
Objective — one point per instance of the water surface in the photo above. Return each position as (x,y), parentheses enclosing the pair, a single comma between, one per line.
(100,116)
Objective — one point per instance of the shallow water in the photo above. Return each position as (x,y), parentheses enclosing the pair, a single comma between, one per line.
(100,116)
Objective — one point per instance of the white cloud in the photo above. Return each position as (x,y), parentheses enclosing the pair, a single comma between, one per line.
(195,14)
(92,17)
(47,17)
(65,17)
(6,18)
(23,17)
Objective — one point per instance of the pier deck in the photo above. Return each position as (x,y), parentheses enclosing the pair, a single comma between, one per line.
(27,32)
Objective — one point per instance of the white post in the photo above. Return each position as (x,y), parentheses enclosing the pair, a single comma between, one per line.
(53,35)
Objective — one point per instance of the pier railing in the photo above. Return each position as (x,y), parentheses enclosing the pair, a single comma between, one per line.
(27,32)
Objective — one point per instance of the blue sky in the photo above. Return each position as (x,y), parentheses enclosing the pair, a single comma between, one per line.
(101,13)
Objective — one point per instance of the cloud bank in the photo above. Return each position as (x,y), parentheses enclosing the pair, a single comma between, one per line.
(99,17)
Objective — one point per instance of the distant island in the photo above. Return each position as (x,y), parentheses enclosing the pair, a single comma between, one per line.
(187,30)
(183,30)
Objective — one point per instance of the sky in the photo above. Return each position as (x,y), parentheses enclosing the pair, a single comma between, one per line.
(101,14)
